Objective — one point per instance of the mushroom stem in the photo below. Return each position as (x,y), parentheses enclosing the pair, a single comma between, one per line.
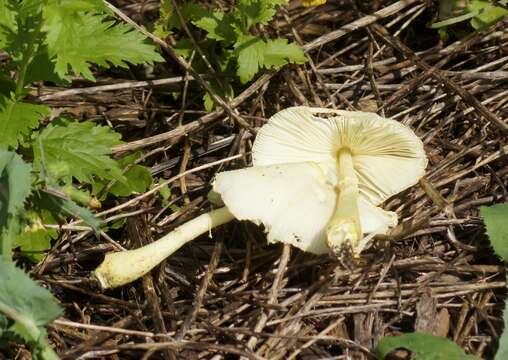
(344,230)
(121,268)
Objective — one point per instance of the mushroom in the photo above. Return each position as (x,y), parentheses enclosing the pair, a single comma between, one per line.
(317,179)
(319,175)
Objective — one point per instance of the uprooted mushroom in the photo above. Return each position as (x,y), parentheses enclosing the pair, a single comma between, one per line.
(317,179)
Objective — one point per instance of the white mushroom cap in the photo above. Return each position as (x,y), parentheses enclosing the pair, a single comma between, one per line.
(293,187)
(388,157)
(293,201)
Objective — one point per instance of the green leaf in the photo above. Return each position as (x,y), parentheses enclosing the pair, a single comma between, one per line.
(184,47)
(81,149)
(423,346)
(250,50)
(139,180)
(502,351)
(258,11)
(25,37)
(254,53)
(208,102)
(42,68)
(223,89)
(35,239)
(34,243)
(278,53)
(7,86)
(72,209)
(218,25)
(488,14)
(165,193)
(75,39)
(8,236)
(7,22)
(64,206)
(495,218)
(29,307)
(15,185)
(169,20)
(17,119)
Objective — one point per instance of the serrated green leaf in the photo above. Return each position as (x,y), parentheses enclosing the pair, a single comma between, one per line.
(278,53)
(254,53)
(210,23)
(496,222)
(423,346)
(29,306)
(218,25)
(250,50)
(82,147)
(17,119)
(257,11)
(22,42)
(29,8)
(139,179)
(75,39)
(488,14)
(7,22)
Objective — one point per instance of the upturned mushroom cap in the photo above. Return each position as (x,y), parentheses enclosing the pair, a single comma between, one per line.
(388,157)
(293,201)
(293,186)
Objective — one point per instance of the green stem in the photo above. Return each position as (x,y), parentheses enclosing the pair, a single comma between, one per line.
(26,59)
(121,268)
(344,230)
(20,84)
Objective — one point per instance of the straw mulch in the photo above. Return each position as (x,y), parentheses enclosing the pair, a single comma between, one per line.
(235,296)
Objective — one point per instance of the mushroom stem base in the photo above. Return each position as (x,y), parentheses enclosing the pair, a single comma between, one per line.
(121,268)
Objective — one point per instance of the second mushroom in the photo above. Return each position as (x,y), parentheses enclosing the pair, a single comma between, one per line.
(317,179)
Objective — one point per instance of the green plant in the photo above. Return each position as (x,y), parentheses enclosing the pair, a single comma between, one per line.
(495,218)
(480,13)
(53,168)
(233,42)
(423,346)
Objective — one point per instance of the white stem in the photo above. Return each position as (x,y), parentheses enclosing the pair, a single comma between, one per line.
(344,230)
(123,267)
